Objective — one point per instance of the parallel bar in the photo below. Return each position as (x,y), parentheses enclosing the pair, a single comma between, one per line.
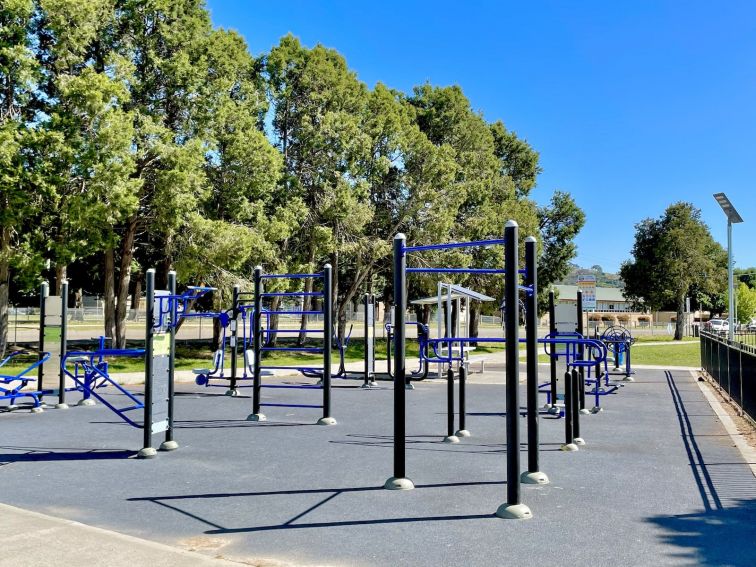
(289,276)
(454,271)
(293,294)
(448,245)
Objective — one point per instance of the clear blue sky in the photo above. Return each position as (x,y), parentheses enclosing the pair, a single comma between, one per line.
(632,105)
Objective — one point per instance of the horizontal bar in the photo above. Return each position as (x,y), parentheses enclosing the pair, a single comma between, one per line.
(455,271)
(293,349)
(292,294)
(269,331)
(286,312)
(313,368)
(292,406)
(470,244)
(292,387)
(291,276)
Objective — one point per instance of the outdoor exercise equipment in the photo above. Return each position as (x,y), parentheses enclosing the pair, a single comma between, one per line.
(421,373)
(619,341)
(259,334)
(12,386)
(513,508)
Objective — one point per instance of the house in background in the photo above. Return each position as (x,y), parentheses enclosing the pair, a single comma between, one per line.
(611,307)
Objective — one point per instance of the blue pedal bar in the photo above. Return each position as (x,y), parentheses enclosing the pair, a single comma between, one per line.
(292,294)
(290,276)
(449,245)
(292,406)
(455,271)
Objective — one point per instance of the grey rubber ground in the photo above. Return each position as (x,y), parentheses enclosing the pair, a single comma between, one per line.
(660,482)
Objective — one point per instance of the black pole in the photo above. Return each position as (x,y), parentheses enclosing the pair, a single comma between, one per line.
(552,358)
(581,350)
(257,338)
(512,508)
(170,444)
(463,432)
(450,437)
(533,475)
(569,434)
(234,338)
(399,481)
(147,450)
(327,343)
(63,345)
(576,407)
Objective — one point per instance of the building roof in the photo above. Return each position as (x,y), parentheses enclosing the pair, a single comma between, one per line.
(569,293)
(457,292)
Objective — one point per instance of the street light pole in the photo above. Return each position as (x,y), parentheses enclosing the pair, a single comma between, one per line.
(732,218)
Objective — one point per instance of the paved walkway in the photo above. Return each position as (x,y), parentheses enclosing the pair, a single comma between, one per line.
(658,483)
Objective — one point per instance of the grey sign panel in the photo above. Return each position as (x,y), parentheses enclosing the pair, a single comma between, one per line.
(160,377)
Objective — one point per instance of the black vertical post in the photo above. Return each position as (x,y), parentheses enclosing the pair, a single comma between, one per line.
(576,407)
(257,342)
(581,350)
(63,345)
(170,444)
(44,291)
(462,432)
(399,481)
(512,508)
(328,305)
(628,370)
(366,307)
(552,358)
(450,437)
(533,474)
(147,450)
(234,337)
(569,434)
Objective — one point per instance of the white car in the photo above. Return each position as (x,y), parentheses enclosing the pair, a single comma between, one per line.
(718,325)
(751,326)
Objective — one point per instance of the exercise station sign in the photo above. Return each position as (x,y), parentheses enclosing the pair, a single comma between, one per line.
(587,283)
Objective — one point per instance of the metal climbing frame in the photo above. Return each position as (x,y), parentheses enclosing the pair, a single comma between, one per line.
(513,508)
(258,334)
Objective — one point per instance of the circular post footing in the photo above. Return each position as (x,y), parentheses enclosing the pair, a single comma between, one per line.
(585,411)
(366,386)
(534,478)
(232,392)
(579,441)
(61,406)
(554,410)
(463,433)
(86,402)
(37,409)
(147,453)
(451,439)
(257,417)
(409,387)
(395,483)
(169,445)
(597,409)
(514,512)
(568,447)
(628,379)
(11,407)
(327,421)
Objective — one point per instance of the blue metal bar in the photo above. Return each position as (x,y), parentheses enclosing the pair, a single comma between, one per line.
(286,312)
(291,276)
(300,368)
(292,294)
(293,406)
(470,244)
(293,349)
(454,271)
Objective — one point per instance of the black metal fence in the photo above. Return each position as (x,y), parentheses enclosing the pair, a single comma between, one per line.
(732,365)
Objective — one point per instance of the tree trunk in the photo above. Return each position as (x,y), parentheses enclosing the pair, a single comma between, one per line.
(307,300)
(109,293)
(4,287)
(334,299)
(61,272)
(474,315)
(136,294)
(124,280)
(680,323)
(216,334)
(272,337)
